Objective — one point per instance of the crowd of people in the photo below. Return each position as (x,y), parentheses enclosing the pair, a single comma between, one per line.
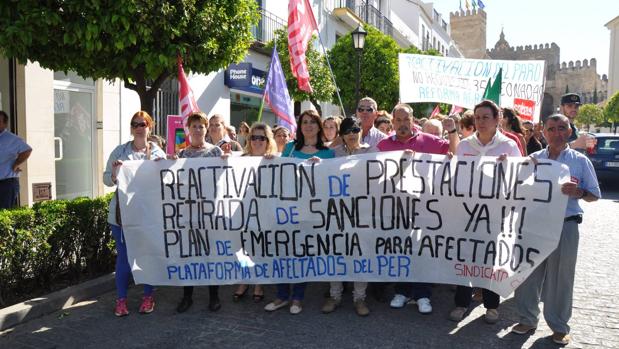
(486,130)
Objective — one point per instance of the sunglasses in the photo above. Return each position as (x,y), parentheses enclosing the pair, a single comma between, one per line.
(138,124)
(352,130)
(361,110)
(258,138)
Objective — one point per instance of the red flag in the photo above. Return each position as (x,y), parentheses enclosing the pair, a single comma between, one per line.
(187,101)
(301,25)
(435,112)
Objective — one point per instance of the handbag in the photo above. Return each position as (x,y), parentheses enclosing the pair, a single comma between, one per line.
(118,216)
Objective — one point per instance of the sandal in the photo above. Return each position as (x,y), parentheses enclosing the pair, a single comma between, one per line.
(238,296)
(258,298)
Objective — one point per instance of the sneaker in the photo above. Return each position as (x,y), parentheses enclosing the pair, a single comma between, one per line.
(275,305)
(399,301)
(457,314)
(296,308)
(361,308)
(561,338)
(330,305)
(148,305)
(523,329)
(492,316)
(121,307)
(424,306)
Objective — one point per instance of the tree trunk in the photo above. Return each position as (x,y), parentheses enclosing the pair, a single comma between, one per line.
(147,95)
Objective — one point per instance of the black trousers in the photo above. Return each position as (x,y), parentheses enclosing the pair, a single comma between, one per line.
(213,291)
(9,189)
(464,294)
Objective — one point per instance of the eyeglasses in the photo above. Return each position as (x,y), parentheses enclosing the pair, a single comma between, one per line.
(258,138)
(352,130)
(362,109)
(138,124)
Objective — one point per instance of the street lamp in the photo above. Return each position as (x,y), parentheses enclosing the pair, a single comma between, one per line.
(358,41)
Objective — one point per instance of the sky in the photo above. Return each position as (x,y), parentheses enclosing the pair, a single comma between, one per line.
(576,26)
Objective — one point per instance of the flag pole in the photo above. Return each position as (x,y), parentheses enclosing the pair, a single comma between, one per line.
(337,90)
(265,80)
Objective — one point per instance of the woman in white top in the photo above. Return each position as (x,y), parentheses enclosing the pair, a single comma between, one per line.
(486,141)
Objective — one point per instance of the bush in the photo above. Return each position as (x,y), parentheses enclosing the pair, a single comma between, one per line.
(54,240)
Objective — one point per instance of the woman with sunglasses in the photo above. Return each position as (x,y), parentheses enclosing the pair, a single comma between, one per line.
(137,149)
(307,145)
(350,134)
(260,142)
(197,123)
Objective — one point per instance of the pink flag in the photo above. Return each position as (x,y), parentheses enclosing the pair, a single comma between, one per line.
(455,109)
(435,112)
(301,25)
(187,101)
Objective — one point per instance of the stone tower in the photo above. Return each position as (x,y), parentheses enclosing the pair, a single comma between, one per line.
(468,30)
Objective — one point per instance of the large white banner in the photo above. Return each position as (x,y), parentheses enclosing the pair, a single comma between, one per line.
(376,217)
(462,81)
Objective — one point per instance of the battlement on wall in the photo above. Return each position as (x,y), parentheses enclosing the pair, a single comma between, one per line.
(529,49)
(468,13)
(578,65)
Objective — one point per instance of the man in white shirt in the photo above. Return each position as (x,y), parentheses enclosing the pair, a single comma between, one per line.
(367,111)
(13,152)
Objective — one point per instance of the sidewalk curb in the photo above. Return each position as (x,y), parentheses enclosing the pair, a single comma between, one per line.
(36,307)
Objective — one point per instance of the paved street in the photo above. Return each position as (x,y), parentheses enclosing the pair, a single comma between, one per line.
(595,322)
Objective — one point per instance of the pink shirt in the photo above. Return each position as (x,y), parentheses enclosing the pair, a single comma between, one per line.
(420,142)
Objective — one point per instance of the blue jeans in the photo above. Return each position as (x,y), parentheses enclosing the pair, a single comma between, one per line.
(9,189)
(415,290)
(123,270)
(298,291)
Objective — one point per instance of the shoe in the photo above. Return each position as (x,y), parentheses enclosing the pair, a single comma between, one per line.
(492,316)
(561,338)
(399,301)
(148,305)
(424,306)
(275,305)
(330,305)
(214,304)
(121,307)
(478,295)
(258,298)
(184,304)
(523,329)
(238,296)
(361,308)
(457,314)
(296,308)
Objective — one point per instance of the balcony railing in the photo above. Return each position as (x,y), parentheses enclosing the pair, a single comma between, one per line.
(264,31)
(368,13)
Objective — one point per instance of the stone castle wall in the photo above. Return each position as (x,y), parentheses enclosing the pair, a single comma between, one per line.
(468,30)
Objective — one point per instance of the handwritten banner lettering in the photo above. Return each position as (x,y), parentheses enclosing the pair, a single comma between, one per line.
(375,217)
(462,81)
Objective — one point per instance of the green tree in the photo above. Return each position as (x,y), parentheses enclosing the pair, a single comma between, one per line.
(589,114)
(379,69)
(611,110)
(320,78)
(134,40)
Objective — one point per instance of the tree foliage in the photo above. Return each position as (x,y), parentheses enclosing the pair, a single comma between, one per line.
(590,114)
(611,110)
(134,40)
(379,68)
(320,78)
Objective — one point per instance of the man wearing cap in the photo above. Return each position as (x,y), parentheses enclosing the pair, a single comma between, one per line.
(367,112)
(411,140)
(570,103)
(13,152)
(553,280)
